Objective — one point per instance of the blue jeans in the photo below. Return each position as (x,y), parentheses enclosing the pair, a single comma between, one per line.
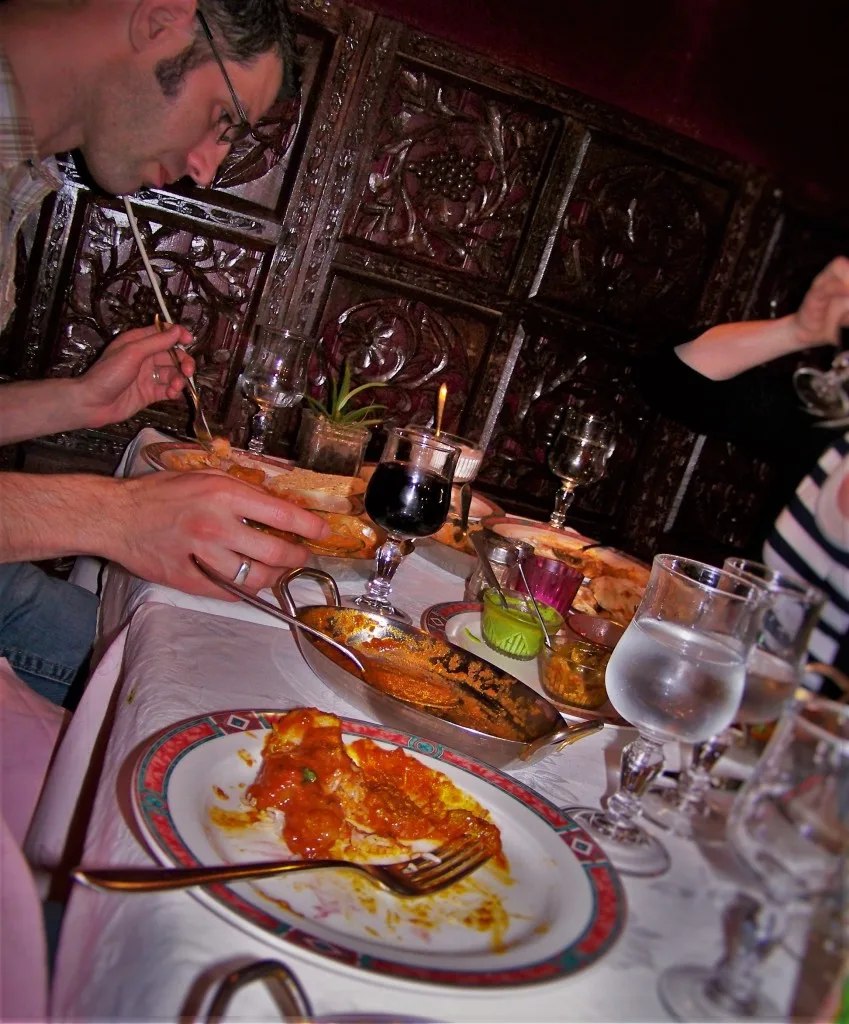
(46,628)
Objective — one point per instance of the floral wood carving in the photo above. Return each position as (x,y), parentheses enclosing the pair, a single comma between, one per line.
(452,176)
(206,283)
(408,345)
(636,240)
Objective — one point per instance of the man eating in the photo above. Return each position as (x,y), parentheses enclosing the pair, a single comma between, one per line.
(148,91)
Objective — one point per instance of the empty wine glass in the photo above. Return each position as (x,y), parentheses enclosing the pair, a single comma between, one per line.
(409,495)
(774,670)
(275,377)
(676,674)
(789,825)
(578,456)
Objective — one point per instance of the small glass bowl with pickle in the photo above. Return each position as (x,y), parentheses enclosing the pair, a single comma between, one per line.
(572,671)
(514,630)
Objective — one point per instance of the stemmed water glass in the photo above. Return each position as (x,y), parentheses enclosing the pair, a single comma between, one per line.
(578,456)
(275,377)
(409,495)
(774,670)
(789,824)
(676,675)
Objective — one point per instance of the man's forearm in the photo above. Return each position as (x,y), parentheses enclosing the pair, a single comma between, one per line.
(729,349)
(35,408)
(47,515)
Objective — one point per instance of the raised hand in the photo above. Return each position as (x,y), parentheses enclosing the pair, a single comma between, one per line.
(825,308)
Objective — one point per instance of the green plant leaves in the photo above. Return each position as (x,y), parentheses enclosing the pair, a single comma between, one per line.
(340,394)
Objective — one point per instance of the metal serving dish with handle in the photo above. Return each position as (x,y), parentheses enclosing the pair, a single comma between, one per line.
(496,719)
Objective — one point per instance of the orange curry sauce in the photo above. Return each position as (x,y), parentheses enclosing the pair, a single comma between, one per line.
(328,794)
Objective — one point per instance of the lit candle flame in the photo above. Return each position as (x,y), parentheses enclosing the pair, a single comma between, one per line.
(440,406)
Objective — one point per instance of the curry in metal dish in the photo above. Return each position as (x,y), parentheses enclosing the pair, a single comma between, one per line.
(425,671)
(357,801)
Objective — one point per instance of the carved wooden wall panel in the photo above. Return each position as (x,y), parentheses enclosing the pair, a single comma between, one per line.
(452,175)
(556,369)
(724,497)
(208,283)
(636,239)
(411,344)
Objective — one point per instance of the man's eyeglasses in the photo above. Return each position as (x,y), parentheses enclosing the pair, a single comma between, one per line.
(242,129)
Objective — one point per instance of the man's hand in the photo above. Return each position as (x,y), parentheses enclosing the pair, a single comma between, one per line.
(162,519)
(135,370)
(825,308)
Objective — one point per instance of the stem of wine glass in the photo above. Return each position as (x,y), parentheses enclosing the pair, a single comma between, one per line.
(386,561)
(734,985)
(562,501)
(259,430)
(641,761)
(695,780)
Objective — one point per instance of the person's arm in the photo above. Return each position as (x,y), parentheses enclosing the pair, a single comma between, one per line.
(152,525)
(729,349)
(135,370)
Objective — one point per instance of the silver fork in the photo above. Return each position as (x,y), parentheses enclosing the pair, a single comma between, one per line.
(202,431)
(421,876)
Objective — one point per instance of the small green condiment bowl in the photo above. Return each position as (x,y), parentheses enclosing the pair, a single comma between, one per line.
(514,630)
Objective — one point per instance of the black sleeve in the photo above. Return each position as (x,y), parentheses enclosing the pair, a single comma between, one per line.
(757,410)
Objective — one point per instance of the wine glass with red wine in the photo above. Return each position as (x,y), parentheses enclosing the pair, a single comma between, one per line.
(409,495)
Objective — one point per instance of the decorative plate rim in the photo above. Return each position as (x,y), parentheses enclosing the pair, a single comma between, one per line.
(153,452)
(149,796)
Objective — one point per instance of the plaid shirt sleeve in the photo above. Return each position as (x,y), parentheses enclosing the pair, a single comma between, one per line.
(25,180)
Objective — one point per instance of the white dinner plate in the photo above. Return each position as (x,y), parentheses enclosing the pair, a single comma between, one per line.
(559,909)
(459,622)
(162,455)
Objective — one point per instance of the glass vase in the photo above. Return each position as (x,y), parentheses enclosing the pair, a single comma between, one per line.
(328,447)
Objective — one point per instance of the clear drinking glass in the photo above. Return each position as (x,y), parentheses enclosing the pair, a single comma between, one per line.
(774,670)
(578,456)
(676,675)
(825,392)
(789,824)
(409,495)
(275,377)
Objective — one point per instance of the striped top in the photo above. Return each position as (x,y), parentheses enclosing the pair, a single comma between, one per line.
(811,542)
(25,180)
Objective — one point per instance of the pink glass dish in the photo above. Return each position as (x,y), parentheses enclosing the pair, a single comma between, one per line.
(552,582)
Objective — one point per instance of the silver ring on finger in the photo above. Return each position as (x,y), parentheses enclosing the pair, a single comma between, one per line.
(242,572)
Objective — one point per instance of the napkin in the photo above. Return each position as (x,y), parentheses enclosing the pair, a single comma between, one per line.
(30,727)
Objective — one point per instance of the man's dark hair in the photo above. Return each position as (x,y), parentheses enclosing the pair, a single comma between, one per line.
(243,30)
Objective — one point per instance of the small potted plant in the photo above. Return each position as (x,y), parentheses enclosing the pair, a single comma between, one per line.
(333,436)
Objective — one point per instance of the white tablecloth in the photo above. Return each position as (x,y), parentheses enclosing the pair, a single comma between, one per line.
(155,956)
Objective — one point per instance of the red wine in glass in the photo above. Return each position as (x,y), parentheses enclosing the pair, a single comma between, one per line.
(407,501)
(409,495)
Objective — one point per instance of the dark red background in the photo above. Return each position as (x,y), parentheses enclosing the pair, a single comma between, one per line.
(765,81)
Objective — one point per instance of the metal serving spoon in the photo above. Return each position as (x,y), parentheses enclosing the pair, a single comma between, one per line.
(377,674)
(265,606)
(546,639)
